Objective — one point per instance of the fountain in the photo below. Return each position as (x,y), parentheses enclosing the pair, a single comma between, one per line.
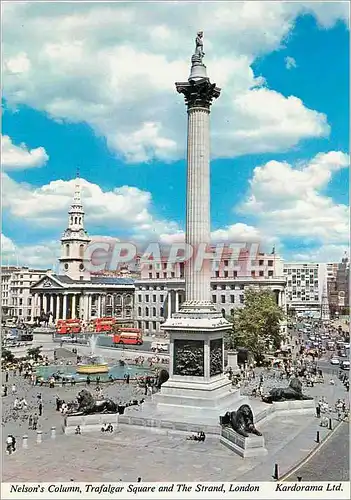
(92,344)
(93,364)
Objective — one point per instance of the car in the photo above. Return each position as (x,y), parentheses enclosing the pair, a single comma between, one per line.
(158,347)
(345,365)
(346,345)
(335,361)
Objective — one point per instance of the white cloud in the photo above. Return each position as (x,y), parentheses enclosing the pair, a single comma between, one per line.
(290,62)
(18,64)
(41,256)
(235,233)
(324,253)
(269,122)
(124,208)
(144,144)
(288,200)
(128,93)
(7,245)
(20,157)
(328,13)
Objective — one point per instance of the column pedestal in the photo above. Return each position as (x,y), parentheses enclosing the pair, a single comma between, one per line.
(197,381)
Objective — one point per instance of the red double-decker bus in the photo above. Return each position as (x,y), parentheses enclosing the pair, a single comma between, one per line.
(128,336)
(100,325)
(68,326)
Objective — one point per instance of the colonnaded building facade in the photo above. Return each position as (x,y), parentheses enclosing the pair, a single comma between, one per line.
(74,292)
(161,288)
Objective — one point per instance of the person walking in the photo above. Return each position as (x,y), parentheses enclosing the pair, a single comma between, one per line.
(58,403)
(318,410)
(35,422)
(9,444)
(40,408)
(14,389)
(7,376)
(30,422)
(13,443)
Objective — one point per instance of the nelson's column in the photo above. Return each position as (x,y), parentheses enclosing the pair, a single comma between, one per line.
(197,383)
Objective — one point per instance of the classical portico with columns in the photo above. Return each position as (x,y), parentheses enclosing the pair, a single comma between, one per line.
(75,293)
(68,299)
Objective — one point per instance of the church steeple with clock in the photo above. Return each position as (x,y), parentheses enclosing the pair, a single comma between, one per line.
(74,240)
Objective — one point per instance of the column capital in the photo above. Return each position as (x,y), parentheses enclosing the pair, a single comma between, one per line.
(198,94)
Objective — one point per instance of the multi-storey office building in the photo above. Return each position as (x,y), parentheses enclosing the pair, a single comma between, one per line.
(16,297)
(305,283)
(338,289)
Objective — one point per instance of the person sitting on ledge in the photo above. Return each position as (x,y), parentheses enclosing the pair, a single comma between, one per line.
(78,430)
(107,428)
(200,436)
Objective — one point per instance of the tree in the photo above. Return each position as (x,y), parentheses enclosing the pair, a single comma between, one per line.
(7,356)
(34,352)
(256,326)
(291,312)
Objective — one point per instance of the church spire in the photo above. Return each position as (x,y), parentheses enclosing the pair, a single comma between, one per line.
(76,212)
(75,239)
(77,200)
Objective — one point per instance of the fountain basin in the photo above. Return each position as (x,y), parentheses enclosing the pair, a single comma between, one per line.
(92,369)
(92,365)
(116,371)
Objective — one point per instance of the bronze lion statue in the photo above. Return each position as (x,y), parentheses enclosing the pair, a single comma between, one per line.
(88,405)
(291,393)
(163,376)
(241,421)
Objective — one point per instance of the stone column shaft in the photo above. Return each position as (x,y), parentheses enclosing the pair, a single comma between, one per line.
(197,280)
(33,309)
(169,304)
(86,307)
(64,312)
(176,301)
(51,304)
(73,306)
(57,315)
(99,307)
(45,303)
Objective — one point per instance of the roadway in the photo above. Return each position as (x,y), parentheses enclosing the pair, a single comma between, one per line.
(332,460)
(106,349)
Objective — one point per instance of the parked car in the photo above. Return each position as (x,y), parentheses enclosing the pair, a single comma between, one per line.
(345,365)
(335,361)
(158,347)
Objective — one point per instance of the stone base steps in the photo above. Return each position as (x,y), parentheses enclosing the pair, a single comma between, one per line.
(186,420)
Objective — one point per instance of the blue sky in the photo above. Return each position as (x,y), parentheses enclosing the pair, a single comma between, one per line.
(77,94)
